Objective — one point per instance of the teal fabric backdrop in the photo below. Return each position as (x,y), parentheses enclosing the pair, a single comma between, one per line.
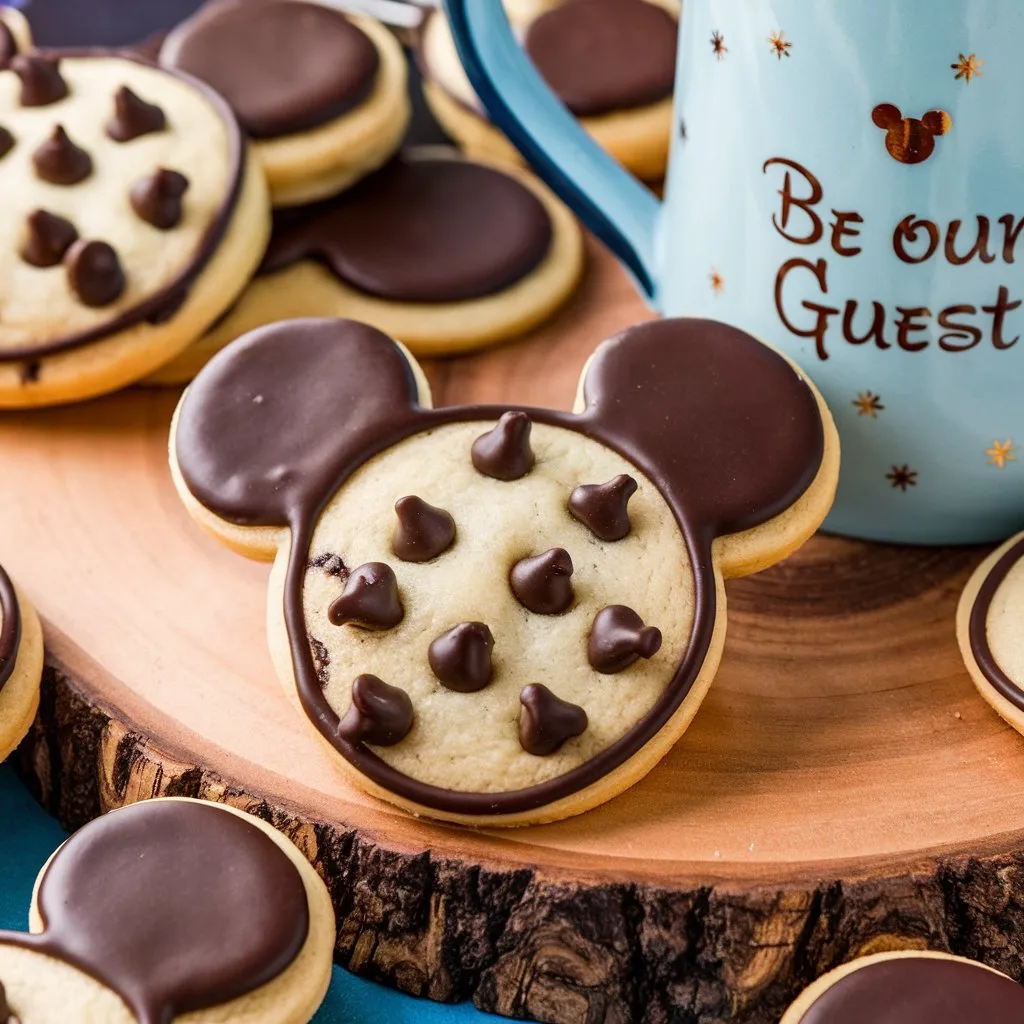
(28,837)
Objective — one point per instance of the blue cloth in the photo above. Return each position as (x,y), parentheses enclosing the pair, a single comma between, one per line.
(28,836)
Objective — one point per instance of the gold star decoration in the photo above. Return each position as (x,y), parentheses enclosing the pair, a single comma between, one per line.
(1001,453)
(968,68)
(717,281)
(902,477)
(780,44)
(718,46)
(868,404)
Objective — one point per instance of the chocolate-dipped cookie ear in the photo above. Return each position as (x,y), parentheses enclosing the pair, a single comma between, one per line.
(726,427)
(272,422)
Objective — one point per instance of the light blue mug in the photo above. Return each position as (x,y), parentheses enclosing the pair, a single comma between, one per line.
(847,182)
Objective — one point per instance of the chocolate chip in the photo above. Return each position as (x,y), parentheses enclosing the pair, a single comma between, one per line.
(29,374)
(48,237)
(321,662)
(370,599)
(423,531)
(380,714)
(542,583)
(157,198)
(41,81)
(461,657)
(331,564)
(59,161)
(603,508)
(546,721)
(133,117)
(94,272)
(6,141)
(618,637)
(504,453)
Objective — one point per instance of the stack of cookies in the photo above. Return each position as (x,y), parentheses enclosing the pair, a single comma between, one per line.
(255,172)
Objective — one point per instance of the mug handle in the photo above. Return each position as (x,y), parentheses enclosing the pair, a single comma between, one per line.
(618,209)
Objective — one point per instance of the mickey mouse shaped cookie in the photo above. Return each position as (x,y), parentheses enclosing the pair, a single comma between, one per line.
(910,988)
(989,631)
(171,909)
(130,221)
(21,665)
(502,615)
(322,93)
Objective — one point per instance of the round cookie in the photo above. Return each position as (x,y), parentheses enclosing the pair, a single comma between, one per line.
(15,35)
(502,616)
(909,988)
(21,665)
(612,62)
(172,908)
(132,219)
(989,630)
(322,93)
(442,253)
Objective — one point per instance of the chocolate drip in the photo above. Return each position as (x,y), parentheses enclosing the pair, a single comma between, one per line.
(10,627)
(6,1013)
(542,583)
(59,161)
(157,198)
(41,81)
(94,272)
(603,508)
(370,599)
(919,990)
(6,142)
(461,657)
(133,117)
(504,453)
(380,714)
(49,237)
(423,531)
(176,906)
(618,637)
(546,721)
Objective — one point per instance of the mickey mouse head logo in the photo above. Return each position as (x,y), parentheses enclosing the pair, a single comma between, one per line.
(909,139)
(500,616)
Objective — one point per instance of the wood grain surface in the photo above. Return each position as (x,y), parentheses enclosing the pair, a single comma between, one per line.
(843,789)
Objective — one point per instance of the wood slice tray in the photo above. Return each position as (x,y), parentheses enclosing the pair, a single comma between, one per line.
(843,790)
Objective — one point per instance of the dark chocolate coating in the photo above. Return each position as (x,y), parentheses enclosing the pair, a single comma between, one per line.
(7,141)
(164,304)
(724,427)
(48,238)
(41,81)
(134,117)
(59,161)
(618,638)
(461,657)
(10,630)
(919,990)
(604,508)
(978,627)
(380,714)
(504,452)
(542,583)
(285,66)
(423,531)
(174,906)
(157,198)
(600,56)
(94,272)
(547,721)
(421,230)
(370,599)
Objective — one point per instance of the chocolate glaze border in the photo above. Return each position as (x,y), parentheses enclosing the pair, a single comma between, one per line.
(700,516)
(10,631)
(978,626)
(164,305)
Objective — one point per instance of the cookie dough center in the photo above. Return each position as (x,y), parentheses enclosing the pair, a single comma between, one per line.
(469,741)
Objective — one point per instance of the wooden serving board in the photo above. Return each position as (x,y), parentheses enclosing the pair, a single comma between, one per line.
(843,789)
